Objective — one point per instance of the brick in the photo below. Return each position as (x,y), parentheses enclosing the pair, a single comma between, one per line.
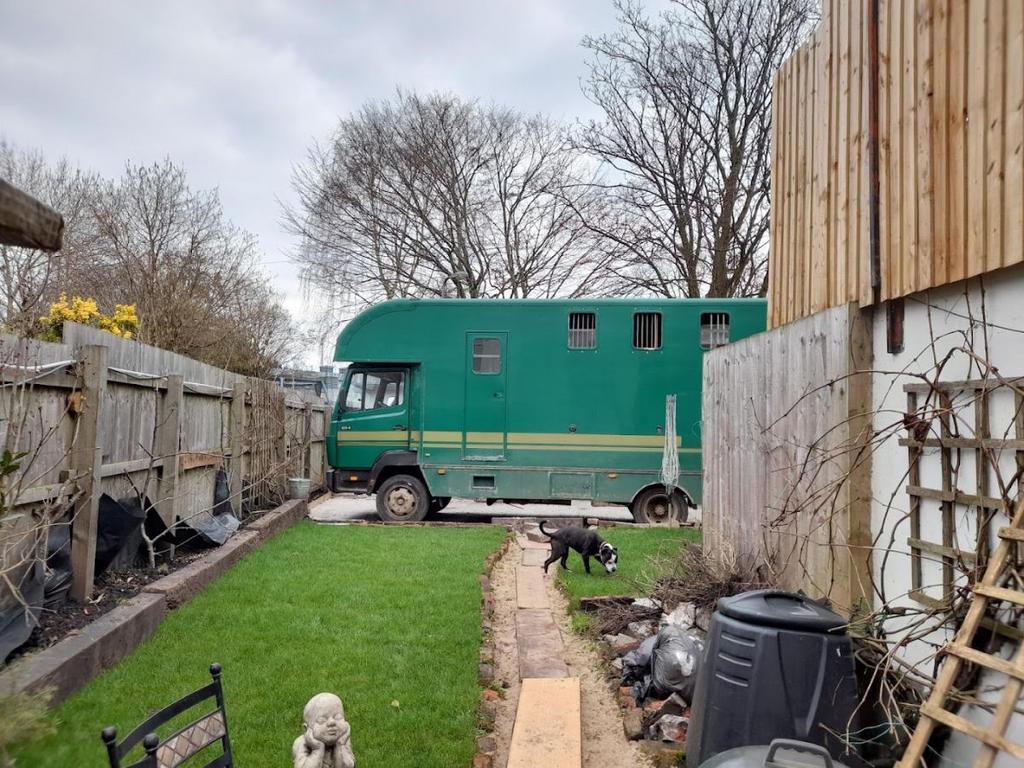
(489,694)
(481,760)
(486,674)
(486,745)
(633,724)
(626,697)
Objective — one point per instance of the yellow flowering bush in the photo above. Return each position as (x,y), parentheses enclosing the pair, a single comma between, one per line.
(123,323)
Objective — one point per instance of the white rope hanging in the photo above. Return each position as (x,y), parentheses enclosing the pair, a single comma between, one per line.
(670,453)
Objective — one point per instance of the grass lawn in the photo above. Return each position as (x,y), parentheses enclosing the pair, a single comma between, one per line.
(641,550)
(375,614)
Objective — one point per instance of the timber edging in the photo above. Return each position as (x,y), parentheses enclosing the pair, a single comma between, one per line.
(72,663)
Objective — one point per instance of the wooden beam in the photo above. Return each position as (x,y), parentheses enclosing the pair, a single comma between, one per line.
(86,462)
(28,223)
(167,448)
(237,426)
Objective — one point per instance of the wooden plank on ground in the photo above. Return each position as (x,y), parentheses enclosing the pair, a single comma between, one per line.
(540,644)
(548,730)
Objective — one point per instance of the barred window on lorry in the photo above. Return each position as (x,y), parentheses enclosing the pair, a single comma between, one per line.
(647,330)
(582,330)
(486,356)
(369,391)
(714,329)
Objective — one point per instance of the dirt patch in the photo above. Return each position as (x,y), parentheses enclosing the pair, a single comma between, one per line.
(604,741)
(111,589)
(506,650)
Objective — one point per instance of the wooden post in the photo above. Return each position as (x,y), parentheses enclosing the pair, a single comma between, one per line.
(168,448)
(307,441)
(860,409)
(237,429)
(283,463)
(86,463)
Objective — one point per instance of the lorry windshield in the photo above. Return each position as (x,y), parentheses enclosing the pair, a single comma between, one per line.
(368,391)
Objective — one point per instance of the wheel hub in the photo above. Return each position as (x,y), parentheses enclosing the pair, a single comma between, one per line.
(402,502)
(658,509)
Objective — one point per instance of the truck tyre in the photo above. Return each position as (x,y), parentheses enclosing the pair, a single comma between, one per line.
(402,499)
(652,505)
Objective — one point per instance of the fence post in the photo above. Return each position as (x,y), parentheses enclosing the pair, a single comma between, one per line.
(284,460)
(307,441)
(168,448)
(237,427)
(86,463)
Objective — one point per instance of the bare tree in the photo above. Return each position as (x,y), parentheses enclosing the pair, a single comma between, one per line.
(30,279)
(434,195)
(685,133)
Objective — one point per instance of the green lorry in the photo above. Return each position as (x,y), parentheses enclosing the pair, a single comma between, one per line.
(547,400)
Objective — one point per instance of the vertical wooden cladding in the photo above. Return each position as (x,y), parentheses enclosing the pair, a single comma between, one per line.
(819,221)
(951,165)
(952,77)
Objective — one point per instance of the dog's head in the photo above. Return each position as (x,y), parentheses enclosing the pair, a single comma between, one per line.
(609,557)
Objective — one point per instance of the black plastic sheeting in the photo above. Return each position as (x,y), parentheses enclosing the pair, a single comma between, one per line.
(119,544)
(216,527)
(664,664)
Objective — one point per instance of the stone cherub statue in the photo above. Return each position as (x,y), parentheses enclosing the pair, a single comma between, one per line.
(326,742)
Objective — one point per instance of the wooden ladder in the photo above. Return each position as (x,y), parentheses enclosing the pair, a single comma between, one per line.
(993,739)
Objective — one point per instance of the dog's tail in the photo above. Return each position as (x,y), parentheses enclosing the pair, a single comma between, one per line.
(542,529)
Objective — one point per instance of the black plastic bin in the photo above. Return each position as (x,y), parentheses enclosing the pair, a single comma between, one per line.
(777,665)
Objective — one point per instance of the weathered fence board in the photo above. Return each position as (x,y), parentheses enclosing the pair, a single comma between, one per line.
(163,428)
(781,433)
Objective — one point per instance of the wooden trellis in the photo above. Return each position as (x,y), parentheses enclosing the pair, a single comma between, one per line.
(984,448)
(989,591)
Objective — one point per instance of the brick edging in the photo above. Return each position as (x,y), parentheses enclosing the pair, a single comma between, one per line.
(486,745)
(75,661)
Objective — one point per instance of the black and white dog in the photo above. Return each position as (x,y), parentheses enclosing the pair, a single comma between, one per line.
(584,541)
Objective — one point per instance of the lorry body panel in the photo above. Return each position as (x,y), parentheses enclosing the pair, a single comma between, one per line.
(530,399)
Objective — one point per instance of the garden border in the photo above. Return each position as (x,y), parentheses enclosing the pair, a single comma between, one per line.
(75,661)
(486,745)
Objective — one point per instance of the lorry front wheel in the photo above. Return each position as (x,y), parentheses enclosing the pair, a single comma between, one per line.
(402,499)
(656,507)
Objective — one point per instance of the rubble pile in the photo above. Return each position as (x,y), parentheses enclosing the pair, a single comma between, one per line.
(655,654)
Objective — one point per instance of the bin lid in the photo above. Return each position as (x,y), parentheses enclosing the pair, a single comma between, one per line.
(783,610)
(781,753)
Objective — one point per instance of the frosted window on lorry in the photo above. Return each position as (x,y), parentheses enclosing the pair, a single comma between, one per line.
(647,330)
(486,356)
(714,329)
(369,391)
(582,330)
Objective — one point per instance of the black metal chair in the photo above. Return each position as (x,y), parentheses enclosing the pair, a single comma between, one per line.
(183,744)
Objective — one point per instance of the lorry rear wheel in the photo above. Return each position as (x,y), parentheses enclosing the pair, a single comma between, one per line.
(654,506)
(402,499)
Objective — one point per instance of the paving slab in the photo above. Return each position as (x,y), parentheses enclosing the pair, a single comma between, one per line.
(547,730)
(535,557)
(540,644)
(530,589)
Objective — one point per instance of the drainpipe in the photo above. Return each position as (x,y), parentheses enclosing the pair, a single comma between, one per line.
(874,237)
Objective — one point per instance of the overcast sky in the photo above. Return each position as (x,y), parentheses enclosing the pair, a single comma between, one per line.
(236,91)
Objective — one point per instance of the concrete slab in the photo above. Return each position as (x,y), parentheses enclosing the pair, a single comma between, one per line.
(534,557)
(530,589)
(540,645)
(347,507)
(548,729)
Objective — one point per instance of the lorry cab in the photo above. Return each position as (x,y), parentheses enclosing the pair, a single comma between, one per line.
(527,400)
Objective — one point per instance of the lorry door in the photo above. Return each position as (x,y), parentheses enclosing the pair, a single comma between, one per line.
(483,437)
(372,416)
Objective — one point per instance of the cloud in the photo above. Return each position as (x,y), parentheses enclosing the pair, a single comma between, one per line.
(237,91)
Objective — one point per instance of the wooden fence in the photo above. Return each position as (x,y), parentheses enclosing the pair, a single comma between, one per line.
(942,91)
(784,483)
(97,414)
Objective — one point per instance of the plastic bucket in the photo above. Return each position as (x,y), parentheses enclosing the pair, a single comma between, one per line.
(298,487)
